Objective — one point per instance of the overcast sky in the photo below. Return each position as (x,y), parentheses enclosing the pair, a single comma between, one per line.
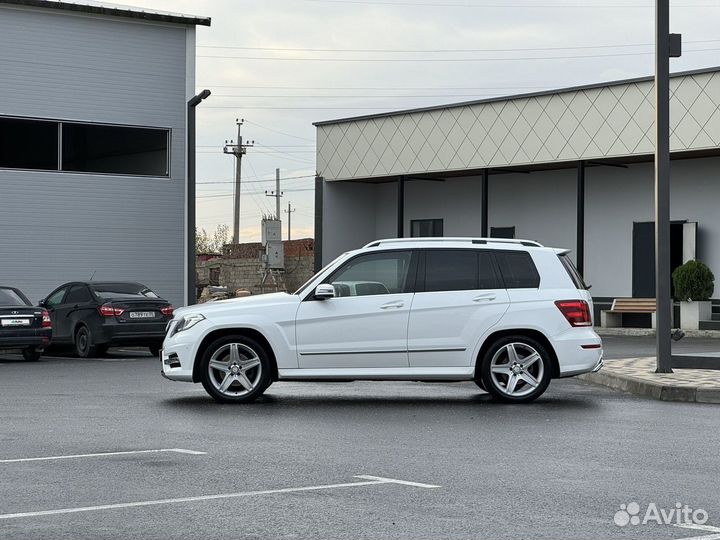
(244,59)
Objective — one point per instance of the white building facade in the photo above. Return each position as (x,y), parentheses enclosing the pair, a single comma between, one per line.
(570,168)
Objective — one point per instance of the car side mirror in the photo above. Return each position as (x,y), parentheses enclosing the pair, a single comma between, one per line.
(41,302)
(324,291)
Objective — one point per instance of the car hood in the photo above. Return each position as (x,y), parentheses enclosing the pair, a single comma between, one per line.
(234,304)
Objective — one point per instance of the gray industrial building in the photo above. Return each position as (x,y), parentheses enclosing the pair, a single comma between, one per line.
(93,104)
(569,168)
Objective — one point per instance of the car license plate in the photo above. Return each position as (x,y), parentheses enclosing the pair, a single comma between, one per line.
(142,314)
(16,322)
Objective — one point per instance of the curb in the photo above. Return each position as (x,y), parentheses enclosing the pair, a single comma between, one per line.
(653,390)
(651,332)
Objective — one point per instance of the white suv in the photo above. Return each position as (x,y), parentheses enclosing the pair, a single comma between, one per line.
(507,314)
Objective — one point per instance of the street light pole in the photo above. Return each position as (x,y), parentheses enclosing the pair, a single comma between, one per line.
(663,300)
(190,292)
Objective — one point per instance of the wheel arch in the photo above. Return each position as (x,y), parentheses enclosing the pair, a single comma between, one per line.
(223,332)
(527,332)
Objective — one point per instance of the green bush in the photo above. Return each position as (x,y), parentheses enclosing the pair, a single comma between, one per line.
(693,281)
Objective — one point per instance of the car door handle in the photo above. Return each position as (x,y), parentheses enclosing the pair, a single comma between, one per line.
(391,305)
(485,297)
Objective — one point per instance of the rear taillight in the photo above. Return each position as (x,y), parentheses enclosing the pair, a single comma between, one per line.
(46,322)
(106,310)
(167,310)
(577,312)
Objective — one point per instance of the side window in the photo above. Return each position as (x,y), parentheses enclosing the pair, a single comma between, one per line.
(55,298)
(488,276)
(79,294)
(451,270)
(376,273)
(518,270)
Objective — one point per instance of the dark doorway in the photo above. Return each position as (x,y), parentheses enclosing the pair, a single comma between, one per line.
(643,259)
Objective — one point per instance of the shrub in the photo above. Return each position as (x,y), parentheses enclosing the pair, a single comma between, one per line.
(693,281)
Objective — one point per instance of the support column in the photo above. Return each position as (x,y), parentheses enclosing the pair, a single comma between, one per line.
(319,184)
(662,187)
(580,238)
(401,207)
(485,204)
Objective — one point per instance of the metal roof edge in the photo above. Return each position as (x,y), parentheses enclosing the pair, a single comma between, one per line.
(513,96)
(127,12)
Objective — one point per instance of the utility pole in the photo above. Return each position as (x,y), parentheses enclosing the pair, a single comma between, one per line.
(289,212)
(238,150)
(666,46)
(277,194)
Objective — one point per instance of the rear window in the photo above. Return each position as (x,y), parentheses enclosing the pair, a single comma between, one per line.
(10,297)
(123,290)
(518,270)
(572,271)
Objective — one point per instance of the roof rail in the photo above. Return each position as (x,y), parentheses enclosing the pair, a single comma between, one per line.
(530,243)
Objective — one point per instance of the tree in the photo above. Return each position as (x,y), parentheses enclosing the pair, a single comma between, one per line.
(204,243)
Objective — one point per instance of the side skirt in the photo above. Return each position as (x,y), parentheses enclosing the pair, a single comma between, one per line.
(464,373)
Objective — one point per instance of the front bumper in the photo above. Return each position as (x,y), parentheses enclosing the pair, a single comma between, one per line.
(177,356)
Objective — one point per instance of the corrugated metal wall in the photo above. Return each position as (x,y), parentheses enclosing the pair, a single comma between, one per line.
(57,227)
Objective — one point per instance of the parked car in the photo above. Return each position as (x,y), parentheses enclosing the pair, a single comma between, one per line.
(23,327)
(92,316)
(507,314)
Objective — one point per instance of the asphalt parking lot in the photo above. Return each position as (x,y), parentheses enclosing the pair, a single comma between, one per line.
(337,460)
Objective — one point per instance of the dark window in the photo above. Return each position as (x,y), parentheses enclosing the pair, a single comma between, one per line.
(518,270)
(122,290)
(426,227)
(114,149)
(572,271)
(79,294)
(502,232)
(459,270)
(215,276)
(10,297)
(28,144)
(451,270)
(56,298)
(375,273)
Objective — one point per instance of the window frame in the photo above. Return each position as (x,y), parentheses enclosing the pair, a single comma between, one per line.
(59,170)
(410,284)
(421,281)
(65,288)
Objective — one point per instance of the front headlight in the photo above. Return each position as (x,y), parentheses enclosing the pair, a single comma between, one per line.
(187,322)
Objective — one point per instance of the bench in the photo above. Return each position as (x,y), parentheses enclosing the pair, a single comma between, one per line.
(612,318)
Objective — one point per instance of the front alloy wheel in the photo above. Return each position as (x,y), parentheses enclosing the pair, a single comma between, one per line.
(235,369)
(516,369)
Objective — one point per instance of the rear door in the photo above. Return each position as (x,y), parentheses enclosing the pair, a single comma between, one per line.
(459,297)
(77,305)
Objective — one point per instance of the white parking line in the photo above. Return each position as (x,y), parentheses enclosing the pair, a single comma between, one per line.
(707,528)
(102,454)
(375,480)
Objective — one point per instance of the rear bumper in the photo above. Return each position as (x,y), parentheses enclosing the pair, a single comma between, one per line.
(579,350)
(25,337)
(138,334)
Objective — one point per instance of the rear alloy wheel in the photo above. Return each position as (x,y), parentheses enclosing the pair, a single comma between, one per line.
(235,369)
(31,354)
(84,346)
(516,369)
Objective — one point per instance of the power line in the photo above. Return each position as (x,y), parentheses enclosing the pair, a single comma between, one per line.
(250,193)
(563,6)
(509,59)
(408,51)
(280,132)
(255,181)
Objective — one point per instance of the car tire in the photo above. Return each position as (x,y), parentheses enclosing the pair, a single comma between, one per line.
(84,345)
(154,350)
(516,369)
(235,369)
(31,354)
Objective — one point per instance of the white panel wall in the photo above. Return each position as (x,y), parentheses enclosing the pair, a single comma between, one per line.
(541,206)
(457,201)
(348,217)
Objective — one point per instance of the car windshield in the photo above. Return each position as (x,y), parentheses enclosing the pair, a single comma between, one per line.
(10,297)
(123,290)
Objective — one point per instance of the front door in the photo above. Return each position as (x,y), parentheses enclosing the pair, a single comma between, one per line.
(365,324)
(459,297)
(58,315)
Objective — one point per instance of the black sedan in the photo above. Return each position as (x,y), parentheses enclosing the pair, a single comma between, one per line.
(22,326)
(92,316)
